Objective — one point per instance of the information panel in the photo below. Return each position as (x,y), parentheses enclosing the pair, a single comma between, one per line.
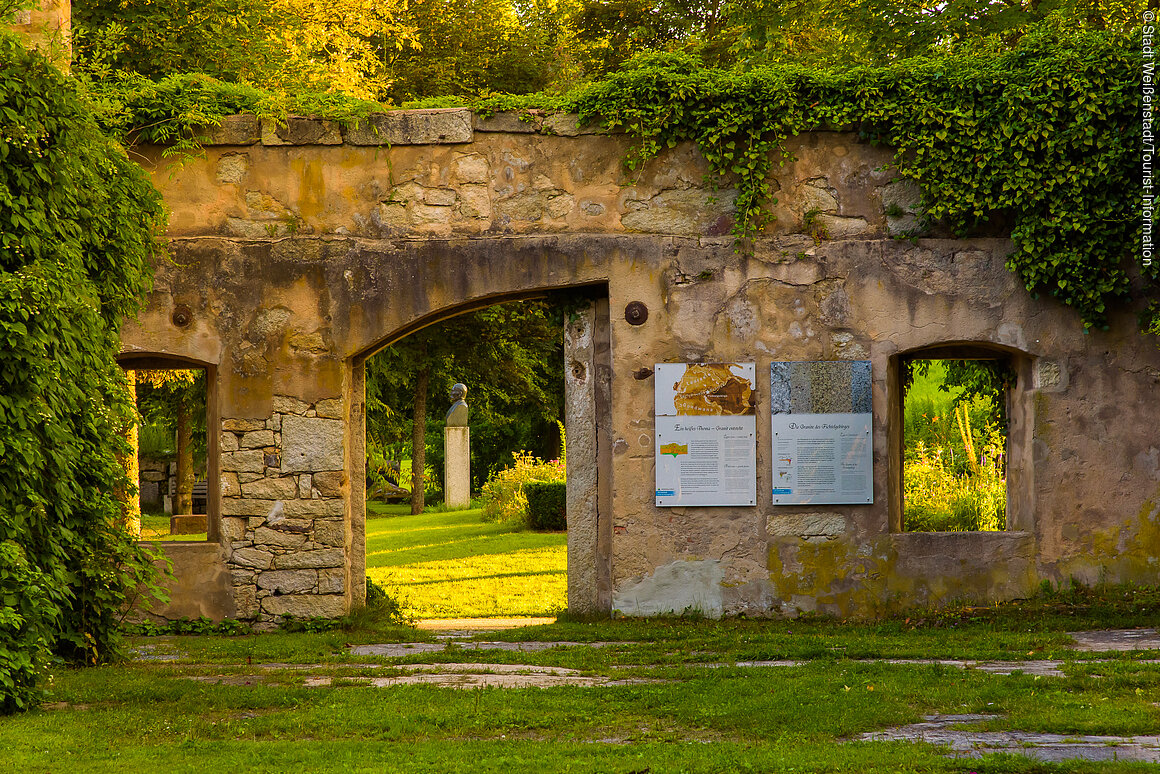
(706,434)
(822,444)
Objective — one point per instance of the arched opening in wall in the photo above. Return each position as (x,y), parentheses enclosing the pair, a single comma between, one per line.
(177,471)
(960,439)
(468,424)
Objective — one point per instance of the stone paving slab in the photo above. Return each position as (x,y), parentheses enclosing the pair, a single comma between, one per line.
(1119,640)
(481,676)
(400,649)
(968,743)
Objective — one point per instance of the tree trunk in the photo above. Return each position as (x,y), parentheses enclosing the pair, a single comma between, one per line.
(183,499)
(419,437)
(131,498)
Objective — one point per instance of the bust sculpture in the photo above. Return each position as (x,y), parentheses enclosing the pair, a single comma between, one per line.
(457,414)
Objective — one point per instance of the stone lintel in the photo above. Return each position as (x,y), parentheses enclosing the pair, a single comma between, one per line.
(440,126)
(509,122)
(300,130)
(568,125)
(240,129)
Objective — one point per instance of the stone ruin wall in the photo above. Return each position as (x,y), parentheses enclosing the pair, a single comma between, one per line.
(299,249)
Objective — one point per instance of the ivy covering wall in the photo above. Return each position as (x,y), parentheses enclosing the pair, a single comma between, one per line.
(1044,138)
(78,228)
(1040,140)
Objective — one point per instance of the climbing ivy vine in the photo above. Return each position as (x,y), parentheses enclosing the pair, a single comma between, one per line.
(1041,137)
(78,229)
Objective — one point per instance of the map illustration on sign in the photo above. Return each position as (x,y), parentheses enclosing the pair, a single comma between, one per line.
(821,413)
(706,434)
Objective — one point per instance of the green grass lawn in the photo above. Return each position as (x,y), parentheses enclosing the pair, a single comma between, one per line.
(453,565)
(156,527)
(214,707)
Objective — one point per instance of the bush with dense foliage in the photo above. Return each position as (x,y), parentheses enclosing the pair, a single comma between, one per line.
(78,227)
(547,505)
(503,494)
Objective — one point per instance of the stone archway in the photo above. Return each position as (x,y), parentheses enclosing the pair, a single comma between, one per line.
(587,407)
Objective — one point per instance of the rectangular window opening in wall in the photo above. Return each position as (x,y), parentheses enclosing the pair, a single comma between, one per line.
(956,429)
(174,478)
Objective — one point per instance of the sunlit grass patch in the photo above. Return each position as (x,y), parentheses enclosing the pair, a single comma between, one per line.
(156,527)
(447,565)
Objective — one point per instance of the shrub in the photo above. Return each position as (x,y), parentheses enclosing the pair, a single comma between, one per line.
(384,606)
(503,494)
(938,499)
(547,505)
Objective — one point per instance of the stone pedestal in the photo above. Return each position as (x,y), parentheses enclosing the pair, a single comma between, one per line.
(457,467)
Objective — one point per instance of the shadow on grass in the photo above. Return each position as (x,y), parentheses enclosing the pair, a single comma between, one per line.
(494,576)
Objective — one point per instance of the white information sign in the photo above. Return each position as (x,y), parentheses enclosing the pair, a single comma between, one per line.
(822,459)
(705,434)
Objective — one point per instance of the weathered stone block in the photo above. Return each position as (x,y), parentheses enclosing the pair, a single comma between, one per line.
(242,425)
(902,202)
(240,129)
(329,483)
(474,201)
(229,442)
(246,601)
(332,581)
(533,205)
(820,524)
(1050,375)
(304,488)
(691,211)
(305,605)
(257,439)
(299,130)
(248,461)
(837,227)
(271,489)
(252,557)
(228,483)
(329,409)
(242,577)
(232,168)
(413,127)
(311,444)
(568,125)
(314,509)
(509,122)
(472,169)
(430,214)
(288,581)
(249,506)
(302,526)
(326,557)
(233,528)
(284,404)
(264,536)
(329,533)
